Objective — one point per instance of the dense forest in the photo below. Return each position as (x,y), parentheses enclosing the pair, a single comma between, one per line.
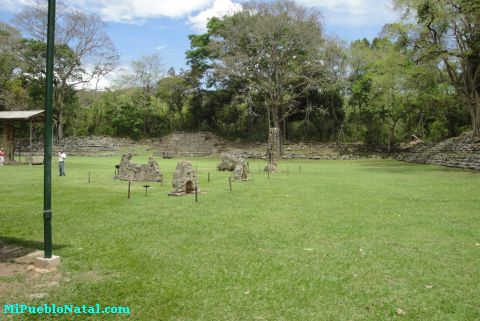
(268,65)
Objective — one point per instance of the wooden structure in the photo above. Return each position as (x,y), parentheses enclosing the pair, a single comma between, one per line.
(8,119)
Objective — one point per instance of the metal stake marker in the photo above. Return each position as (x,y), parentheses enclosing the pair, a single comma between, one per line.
(146,189)
(47,155)
(268,173)
(88,177)
(196,194)
(129,189)
(230,182)
(209,177)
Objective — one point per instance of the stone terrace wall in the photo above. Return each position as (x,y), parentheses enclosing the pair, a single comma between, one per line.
(78,145)
(461,152)
(312,150)
(189,144)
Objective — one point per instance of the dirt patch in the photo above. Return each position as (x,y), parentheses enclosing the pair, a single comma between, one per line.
(20,281)
(11,252)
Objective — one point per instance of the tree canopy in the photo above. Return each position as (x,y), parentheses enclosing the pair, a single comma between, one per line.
(267,65)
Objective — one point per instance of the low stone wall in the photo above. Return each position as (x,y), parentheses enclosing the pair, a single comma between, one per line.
(313,150)
(461,152)
(201,144)
(262,155)
(77,145)
(449,160)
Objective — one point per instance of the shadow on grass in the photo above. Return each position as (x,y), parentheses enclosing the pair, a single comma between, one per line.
(12,247)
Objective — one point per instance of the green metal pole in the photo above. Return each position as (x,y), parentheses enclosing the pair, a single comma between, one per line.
(47,166)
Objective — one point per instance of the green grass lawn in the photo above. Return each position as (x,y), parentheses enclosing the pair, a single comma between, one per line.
(342,240)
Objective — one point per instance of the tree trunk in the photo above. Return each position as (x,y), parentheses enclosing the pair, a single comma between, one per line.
(250,123)
(475,114)
(60,126)
(276,124)
(391,136)
(59,108)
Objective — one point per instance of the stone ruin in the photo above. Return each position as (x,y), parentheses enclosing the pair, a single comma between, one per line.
(128,171)
(235,163)
(184,179)
(273,149)
(228,161)
(241,170)
(181,144)
(462,152)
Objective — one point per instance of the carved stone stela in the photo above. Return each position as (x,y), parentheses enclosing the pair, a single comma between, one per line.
(273,149)
(129,171)
(184,179)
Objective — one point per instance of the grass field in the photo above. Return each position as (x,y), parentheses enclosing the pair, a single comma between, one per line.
(342,240)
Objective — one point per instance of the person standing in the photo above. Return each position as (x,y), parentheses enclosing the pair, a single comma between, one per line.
(61,162)
(2,156)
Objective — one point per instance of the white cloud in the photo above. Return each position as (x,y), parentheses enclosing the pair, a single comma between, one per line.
(138,11)
(133,10)
(219,8)
(102,85)
(109,81)
(354,13)
(161,47)
(15,5)
(345,13)
(125,10)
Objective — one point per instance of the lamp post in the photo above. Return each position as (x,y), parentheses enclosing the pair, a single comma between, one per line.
(47,167)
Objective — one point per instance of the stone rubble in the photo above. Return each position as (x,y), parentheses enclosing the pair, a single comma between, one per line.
(462,152)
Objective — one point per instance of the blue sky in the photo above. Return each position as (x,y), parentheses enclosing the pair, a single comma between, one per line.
(144,27)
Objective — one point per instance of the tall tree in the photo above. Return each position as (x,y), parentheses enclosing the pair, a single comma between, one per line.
(389,95)
(12,92)
(273,49)
(144,75)
(174,91)
(450,33)
(91,56)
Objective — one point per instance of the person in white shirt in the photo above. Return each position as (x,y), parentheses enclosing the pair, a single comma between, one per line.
(61,162)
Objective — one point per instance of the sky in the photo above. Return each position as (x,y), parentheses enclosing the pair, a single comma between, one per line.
(145,27)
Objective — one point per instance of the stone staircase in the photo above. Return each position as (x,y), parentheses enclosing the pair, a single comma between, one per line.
(182,144)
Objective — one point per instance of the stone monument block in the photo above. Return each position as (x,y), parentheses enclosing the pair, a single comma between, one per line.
(129,171)
(228,161)
(273,149)
(184,179)
(240,173)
